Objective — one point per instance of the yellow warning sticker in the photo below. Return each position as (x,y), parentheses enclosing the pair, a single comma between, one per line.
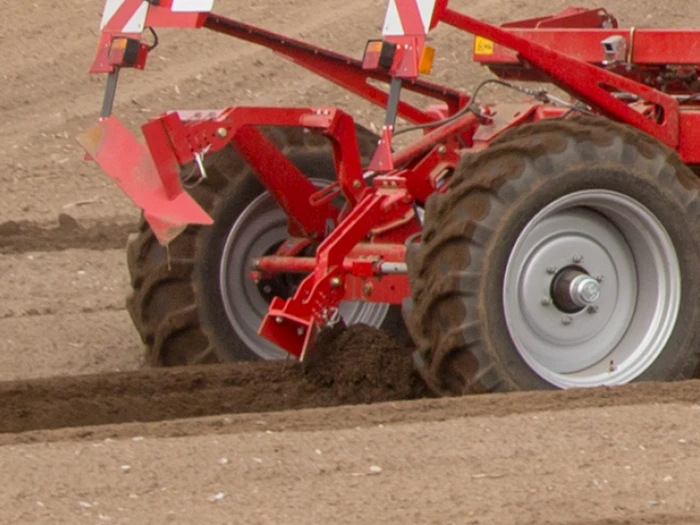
(483,46)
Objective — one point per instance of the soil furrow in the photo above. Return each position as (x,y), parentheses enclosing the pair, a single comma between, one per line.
(27,236)
(262,387)
(374,370)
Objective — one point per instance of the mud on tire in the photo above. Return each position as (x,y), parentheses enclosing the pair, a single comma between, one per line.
(176,303)
(479,300)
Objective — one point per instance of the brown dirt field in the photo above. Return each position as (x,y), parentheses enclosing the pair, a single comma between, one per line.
(86,436)
(426,462)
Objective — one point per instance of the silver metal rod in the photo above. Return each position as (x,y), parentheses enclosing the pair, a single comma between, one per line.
(392,106)
(393,268)
(110,93)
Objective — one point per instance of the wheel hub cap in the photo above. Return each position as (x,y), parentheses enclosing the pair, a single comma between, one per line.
(584,290)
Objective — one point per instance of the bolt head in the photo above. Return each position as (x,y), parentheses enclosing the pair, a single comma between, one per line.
(567,320)
(300,331)
(357,184)
(590,291)
(222,132)
(442,149)
(335,282)
(279,320)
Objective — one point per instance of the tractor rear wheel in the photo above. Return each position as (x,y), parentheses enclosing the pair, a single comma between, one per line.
(563,256)
(195,302)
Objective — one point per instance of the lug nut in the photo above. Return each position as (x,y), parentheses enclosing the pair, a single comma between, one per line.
(546,301)
(567,320)
(599,278)
(593,309)
(577,258)
(551,270)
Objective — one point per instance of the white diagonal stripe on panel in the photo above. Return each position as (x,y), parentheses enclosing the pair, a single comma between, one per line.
(427,8)
(111,7)
(192,6)
(137,22)
(392,22)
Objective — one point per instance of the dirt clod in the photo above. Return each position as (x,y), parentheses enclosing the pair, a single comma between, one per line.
(362,364)
(9,228)
(68,223)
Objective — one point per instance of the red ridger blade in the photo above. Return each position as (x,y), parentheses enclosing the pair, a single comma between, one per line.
(130,165)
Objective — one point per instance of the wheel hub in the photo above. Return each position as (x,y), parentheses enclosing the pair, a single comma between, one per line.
(573,289)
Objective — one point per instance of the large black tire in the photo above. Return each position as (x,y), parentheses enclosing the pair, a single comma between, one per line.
(176,303)
(472,315)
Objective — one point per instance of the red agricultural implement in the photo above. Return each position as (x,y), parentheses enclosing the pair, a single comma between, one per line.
(545,244)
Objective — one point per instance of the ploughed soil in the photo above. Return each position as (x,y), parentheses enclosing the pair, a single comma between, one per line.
(88,435)
(372,369)
(615,456)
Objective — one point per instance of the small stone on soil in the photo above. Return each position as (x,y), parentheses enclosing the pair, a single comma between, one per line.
(217,497)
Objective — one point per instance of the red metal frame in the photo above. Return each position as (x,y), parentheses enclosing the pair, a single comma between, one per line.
(572,17)
(647,47)
(293,323)
(380,216)
(345,71)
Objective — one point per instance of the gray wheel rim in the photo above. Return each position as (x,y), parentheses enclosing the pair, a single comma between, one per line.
(260,226)
(634,277)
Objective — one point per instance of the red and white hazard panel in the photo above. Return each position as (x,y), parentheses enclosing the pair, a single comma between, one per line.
(409,17)
(129,16)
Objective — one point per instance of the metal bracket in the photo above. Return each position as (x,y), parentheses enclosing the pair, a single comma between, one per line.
(199,161)
(330,316)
